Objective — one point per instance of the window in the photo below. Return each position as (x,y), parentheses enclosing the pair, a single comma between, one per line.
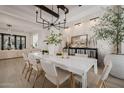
(8,42)
(35,40)
(12,42)
(23,42)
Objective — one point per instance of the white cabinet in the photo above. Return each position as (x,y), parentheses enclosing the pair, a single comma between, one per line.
(5,54)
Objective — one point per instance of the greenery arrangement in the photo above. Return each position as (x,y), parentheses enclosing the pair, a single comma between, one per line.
(54,38)
(111,26)
(59,54)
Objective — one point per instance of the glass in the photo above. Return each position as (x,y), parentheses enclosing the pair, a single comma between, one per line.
(12,42)
(18,43)
(6,42)
(23,42)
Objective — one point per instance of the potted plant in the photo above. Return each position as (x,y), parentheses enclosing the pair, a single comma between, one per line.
(53,40)
(111,26)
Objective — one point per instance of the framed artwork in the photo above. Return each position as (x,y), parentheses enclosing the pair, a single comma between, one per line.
(79,41)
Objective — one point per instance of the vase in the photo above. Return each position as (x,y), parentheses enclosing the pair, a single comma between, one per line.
(51,48)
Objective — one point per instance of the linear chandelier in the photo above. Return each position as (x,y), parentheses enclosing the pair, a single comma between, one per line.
(55,22)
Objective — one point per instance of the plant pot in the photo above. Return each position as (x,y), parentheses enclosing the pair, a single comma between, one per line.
(117,65)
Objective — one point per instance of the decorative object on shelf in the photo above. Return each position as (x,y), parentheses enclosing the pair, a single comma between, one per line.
(59,54)
(110,27)
(52,41)
(56,21)
(79,41)
(45,51)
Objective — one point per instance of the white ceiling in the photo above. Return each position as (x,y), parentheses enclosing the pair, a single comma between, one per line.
(22,17)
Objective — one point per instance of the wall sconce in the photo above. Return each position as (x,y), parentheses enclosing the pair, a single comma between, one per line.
(66,28)
(78,24)
(94,19)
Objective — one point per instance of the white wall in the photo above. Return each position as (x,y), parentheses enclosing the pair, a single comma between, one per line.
(122,48)
(41,37)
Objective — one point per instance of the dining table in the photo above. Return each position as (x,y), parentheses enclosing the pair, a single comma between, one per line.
(74,64)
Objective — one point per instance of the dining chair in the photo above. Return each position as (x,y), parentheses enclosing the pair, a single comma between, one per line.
(98,81)
(53,74)
(36,67)
(26,65)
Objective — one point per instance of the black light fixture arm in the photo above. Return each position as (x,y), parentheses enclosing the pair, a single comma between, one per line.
(55,23)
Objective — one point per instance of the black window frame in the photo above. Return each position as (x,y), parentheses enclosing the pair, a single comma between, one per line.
(15,43)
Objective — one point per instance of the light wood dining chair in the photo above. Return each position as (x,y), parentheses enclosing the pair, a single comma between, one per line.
(36,67)
(27,65)
(99,81)
(54,75)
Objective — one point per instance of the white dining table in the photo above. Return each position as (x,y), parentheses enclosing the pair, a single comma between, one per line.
(74,64)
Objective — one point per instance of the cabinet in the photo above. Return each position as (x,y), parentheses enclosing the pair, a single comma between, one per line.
(92,52)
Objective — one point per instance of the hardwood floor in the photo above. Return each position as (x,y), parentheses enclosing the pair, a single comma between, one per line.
(11,77)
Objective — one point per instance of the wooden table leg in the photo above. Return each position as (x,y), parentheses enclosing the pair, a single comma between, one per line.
(72,80)
(84,80)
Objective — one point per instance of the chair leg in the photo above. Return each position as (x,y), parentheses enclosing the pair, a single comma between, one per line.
(57,85)
(72,81)
(35,79)
(24,69)
(43,81)
(39,74)
(30,74)
(27,72)
(99,84)
(104,83)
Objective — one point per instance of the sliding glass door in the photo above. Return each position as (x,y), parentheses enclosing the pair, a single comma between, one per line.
(8,41)
(12,42)
(23,42)
(18,43)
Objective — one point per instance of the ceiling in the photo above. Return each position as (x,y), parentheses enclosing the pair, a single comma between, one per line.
(22,17)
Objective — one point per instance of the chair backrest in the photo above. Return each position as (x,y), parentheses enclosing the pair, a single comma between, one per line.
(32,60)
(25,56)
(107,68)
(48,67)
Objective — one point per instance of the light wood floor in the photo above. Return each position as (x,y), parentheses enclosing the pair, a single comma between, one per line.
(10,76)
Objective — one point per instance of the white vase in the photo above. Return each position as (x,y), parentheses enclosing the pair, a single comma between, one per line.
(51,48)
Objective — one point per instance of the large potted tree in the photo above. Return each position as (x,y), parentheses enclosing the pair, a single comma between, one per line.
(53,40)
(111,27)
